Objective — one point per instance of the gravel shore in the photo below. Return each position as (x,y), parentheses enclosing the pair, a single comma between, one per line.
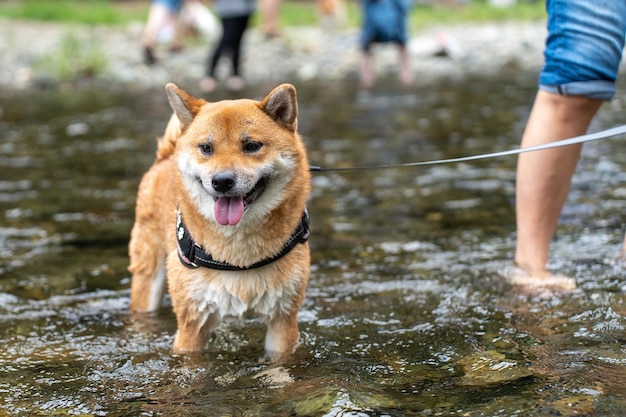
(39,55)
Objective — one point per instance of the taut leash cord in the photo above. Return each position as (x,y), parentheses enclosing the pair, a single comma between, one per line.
(619,130)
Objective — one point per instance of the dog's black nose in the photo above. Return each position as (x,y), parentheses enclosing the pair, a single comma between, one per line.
(223,182)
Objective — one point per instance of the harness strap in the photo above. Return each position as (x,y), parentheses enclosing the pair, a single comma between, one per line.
(193,255)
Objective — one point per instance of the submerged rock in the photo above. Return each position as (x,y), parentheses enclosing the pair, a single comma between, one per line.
(489,368)
(335,401)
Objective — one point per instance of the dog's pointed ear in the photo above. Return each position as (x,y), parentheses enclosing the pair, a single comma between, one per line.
(281,105)
(184,104)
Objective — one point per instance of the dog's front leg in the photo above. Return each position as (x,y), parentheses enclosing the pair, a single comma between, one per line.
(193,331)
(282,336)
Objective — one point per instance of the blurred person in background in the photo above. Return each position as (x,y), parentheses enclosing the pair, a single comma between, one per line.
(162,22)
(384,21)
(235,16)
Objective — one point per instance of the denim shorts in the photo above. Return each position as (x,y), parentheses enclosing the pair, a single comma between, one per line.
(584,47)
(173,6)
(384,21)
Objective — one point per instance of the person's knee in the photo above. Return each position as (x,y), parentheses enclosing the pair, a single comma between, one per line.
(568,107)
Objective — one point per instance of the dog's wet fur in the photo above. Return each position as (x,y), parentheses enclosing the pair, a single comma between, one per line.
(238,174)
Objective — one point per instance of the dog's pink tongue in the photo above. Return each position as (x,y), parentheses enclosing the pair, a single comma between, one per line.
(228,210)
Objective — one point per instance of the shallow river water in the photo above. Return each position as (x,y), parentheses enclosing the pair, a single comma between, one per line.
(407,311)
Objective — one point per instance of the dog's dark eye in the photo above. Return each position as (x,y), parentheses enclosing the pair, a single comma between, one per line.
(252,147)
(206,149)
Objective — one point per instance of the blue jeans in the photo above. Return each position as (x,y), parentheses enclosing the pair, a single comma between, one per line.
(584,47)
(173,6)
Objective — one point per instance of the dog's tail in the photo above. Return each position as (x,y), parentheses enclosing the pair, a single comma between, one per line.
(167,142)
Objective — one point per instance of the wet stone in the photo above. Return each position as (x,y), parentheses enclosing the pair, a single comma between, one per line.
(335,401)
(489,368)
(576,405)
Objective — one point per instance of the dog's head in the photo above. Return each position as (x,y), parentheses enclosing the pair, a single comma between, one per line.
(238,156)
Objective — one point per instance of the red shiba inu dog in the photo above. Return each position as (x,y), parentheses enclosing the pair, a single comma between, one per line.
(222,214)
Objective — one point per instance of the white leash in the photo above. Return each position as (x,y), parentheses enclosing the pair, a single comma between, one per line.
(616,131)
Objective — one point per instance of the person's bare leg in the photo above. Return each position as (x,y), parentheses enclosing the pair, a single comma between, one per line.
(404,70)
(544,177)
(268,9)
(158,16)
(176,44)
(367,70)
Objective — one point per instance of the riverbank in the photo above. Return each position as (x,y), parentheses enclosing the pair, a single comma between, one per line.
(47,55)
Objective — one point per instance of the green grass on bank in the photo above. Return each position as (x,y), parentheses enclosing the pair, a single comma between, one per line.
(292,13)
(89,12)
(475,11)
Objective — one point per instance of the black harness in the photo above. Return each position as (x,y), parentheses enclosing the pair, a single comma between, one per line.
(193,255)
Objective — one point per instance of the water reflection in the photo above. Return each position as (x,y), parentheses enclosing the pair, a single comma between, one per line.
(406,313)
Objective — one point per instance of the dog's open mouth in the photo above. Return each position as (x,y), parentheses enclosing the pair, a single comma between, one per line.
(229,210)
